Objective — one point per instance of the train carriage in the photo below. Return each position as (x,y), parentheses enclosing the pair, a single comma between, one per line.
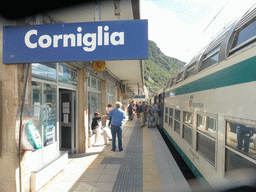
(210,105)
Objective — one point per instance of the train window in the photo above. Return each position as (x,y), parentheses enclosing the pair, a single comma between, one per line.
(241,138)
(171,117)
(234,161)
(213,51)
(177,121)
(191,70)
(171,112)
(166,110)
(206,136)
(166,115)
(244,36)
(210,61)
(172,82)
(187,118)
(168,84)
(179,77)
(187,126)
(177,115)
(206,125)
(206,147)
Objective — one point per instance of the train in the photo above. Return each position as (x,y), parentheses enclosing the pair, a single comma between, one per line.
(209,105)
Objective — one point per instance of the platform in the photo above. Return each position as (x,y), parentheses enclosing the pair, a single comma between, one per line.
(145,164)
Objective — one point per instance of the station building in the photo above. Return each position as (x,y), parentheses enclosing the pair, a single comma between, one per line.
(67,94)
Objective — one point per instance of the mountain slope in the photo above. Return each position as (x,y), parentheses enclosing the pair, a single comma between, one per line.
(159,67)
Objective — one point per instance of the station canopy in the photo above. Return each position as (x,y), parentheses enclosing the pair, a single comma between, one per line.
(121,49)
(128,71)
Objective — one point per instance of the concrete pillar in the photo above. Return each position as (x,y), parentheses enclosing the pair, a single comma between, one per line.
(82,111)
(104,93)
(9,100)
(119,95)
(115,95)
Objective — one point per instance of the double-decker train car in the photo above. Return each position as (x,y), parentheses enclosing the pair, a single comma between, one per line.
(209,111)
(158,96)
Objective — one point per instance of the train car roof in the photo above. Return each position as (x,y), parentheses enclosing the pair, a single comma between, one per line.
(221,38)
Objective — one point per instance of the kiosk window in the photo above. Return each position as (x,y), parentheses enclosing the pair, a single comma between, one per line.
(93,83)
(50,100)
(36,93)
(45,95)
(46,71)
(67,74)
(111,92)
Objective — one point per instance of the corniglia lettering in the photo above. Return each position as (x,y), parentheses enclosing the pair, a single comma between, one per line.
(27,39)
(88,41)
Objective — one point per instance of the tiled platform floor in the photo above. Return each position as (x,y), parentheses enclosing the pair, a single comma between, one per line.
(145,164)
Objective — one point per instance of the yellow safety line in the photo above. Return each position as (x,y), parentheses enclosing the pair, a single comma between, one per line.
(151,179)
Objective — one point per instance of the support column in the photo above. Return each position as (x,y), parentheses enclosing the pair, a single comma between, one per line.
(9,99)
(115,95)
(104,92)
(82,111)
(119,95)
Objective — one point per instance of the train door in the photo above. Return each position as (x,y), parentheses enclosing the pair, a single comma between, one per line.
(161,101)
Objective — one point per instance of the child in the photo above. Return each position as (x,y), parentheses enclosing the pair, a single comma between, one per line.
(97,128)
(151,118)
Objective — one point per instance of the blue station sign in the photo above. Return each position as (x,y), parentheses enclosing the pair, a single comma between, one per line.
(104,40)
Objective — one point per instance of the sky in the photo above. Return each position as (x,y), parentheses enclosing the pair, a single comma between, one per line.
(181,28)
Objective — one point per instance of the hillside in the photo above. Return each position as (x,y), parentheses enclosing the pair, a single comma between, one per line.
(159,67)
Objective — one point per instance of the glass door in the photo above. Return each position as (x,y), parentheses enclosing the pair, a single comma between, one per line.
(67,120)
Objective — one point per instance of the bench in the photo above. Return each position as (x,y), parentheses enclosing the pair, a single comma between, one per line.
(47,169)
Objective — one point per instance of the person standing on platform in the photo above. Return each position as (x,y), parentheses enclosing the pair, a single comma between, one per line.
(117,116)
(150,115)
(156,115)
(108,110)
(142,114)
(97,128)
(138,109)
(130,111)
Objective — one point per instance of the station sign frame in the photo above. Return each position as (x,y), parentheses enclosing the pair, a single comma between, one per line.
(87,41)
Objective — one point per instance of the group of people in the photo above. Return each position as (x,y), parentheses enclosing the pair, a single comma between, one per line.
(149,114)
(115,118)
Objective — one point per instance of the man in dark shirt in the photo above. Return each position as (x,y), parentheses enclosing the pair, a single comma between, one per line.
(97,128)
(96,121)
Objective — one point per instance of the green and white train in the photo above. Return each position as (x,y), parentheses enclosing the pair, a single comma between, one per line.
(209,110)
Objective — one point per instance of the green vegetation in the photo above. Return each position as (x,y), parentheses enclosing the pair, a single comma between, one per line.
(159,67)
